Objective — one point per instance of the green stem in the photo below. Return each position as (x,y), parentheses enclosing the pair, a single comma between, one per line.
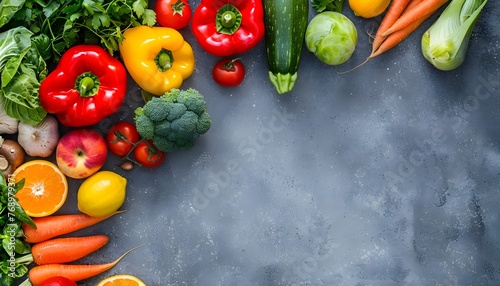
(178,7)
(128,155)
(26,283)
(229,66)
(25,259)
(87,84)
(228,19)
(283,82)
(164,60)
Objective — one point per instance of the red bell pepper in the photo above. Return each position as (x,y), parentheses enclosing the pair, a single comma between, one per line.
(86,86)
(228,27)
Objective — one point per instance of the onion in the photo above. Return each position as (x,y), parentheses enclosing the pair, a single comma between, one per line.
(39,140)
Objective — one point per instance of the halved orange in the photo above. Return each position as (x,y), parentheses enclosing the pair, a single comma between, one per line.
(121,280)
(45,187)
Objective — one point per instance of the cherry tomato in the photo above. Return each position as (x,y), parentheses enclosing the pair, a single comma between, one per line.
(173,13)
(146,154)
(229,72)
(58,281)
(121,138)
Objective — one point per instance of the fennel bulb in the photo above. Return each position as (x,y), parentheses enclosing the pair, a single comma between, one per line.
(446,41)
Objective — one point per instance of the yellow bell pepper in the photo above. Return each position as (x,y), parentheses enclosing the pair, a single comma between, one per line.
(157,58)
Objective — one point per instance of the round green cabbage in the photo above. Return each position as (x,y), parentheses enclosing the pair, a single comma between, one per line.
(332,37)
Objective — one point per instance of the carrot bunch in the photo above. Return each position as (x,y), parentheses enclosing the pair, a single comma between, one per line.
(402,18)
(51,253)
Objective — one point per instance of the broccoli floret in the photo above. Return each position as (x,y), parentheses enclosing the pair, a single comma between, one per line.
(163,128)
(204,123)
(163,143)
(193,100)
(174,120)
(186,124)
(138,112)
(172,95)
(176,110)
(185,144)
(156,109)
(145,126)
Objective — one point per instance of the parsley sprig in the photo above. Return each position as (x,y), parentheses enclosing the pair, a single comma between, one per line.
(327,5)
(64,23)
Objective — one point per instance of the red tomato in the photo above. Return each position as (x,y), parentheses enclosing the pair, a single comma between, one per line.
(146,154)
(173,13)
(58,281)
(228,72)
(121,138)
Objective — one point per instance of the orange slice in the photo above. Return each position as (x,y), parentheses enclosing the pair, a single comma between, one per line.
(121,280)
(45,187)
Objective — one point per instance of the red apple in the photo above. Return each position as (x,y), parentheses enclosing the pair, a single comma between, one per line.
(81,152)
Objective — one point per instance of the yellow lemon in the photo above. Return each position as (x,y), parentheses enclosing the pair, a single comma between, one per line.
(101,194)
(368,8)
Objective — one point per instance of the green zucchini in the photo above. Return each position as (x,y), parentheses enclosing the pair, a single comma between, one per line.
(286,23)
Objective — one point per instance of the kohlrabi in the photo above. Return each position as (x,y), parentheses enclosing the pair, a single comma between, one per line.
(332,37)
(445,43)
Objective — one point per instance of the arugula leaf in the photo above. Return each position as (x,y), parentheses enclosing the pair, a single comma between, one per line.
(327,5)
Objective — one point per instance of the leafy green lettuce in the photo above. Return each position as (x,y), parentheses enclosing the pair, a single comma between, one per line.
(22,68)
(8,8)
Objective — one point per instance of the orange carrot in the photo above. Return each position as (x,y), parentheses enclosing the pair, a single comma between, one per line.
(393,13)
(412,4)
(67,249)
(55,225)
(423,10)
(396,38)
(390,41)
(75,272)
